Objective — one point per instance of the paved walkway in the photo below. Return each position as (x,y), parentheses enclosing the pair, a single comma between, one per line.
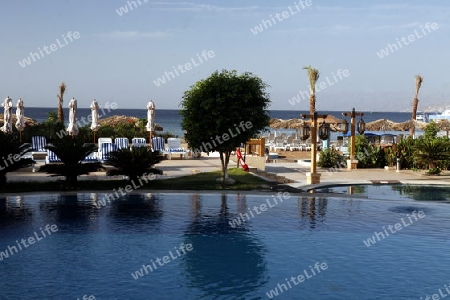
(295,172)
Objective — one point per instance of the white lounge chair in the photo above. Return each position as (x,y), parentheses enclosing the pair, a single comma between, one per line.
(174,147)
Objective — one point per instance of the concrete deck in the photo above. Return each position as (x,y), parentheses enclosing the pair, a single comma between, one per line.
(295,173)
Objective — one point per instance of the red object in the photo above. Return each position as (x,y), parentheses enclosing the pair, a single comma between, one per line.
(241,160)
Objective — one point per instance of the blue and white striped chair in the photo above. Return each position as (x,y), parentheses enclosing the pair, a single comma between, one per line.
(105,151)
(38,144)
(122,143)
(139,142)
(158,144)
(51,157)
(90,158)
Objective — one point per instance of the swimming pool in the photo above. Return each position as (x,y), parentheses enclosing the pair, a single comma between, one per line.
(217,246)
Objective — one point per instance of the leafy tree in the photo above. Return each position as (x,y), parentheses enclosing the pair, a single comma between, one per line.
(134,162)
(431,151)
(223,111)
(11,152)
(71,151)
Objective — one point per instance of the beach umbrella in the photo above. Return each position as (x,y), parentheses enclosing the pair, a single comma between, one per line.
(7,116)
(94,124)
(150,119)
(20,123)
(407,125)
(73,127)
(381,125)
(444,125)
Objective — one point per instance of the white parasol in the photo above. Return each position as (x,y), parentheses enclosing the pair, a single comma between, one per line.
(7,117)
(20,123)
(73,127)
(150,118)
(94,124)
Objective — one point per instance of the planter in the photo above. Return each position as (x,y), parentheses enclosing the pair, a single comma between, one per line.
(352,164)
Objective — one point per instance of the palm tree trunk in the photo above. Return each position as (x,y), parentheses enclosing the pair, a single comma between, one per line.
(312,103)
(419,80)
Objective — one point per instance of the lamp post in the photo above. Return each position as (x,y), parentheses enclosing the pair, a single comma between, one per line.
(352,163)
(313,177)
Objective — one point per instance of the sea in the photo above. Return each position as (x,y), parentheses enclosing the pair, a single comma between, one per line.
(170,119)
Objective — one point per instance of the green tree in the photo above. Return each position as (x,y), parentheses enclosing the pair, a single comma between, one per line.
(71,151)
(431,151)
(223,111)
(134,162)
(11,152)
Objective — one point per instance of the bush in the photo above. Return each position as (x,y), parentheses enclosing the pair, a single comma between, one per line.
(328,158)
(434,171)
(133,162)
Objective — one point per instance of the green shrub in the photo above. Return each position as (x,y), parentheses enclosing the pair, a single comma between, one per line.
(328,158)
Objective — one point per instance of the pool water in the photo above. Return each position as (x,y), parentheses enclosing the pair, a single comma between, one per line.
(204,253)
(392,191)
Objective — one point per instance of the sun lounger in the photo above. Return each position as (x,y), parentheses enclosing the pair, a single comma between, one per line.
(139,142)
(158,144)
(51,157)
(105,151)
(175,147)
(90,158)
(122,143)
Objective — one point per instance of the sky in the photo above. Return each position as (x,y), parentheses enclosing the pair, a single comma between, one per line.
(367,52)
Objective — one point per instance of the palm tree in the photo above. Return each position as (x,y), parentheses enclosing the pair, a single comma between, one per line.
(12,151)
(431,151)
(313,75)
(419,80)
(71,152)
(62,89)
(134,162)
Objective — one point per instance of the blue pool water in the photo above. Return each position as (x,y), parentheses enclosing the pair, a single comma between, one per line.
(95,251)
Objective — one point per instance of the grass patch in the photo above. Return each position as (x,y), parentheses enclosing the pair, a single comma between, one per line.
(202,181)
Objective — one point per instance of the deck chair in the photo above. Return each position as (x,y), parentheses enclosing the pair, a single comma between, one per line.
(38,144)
(105,151)
(158,144)
(139,142)
(175,147)
(122,143)
(90,158)
(101,141)
(51,157)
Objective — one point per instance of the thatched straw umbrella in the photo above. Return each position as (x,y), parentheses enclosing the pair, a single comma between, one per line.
(419,80)
(407,125)
(381,125)
(444,125)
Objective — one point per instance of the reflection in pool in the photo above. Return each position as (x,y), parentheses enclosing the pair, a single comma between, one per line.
(96,250)
(393,192)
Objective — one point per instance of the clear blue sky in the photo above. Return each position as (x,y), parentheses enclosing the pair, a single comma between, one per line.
(118,58)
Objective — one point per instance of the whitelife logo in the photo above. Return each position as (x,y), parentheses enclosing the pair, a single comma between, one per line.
(52,48)
(266,24)
(187,66)
(391,48)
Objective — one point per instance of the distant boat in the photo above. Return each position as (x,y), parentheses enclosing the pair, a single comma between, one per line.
(444,116)
(422,117)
